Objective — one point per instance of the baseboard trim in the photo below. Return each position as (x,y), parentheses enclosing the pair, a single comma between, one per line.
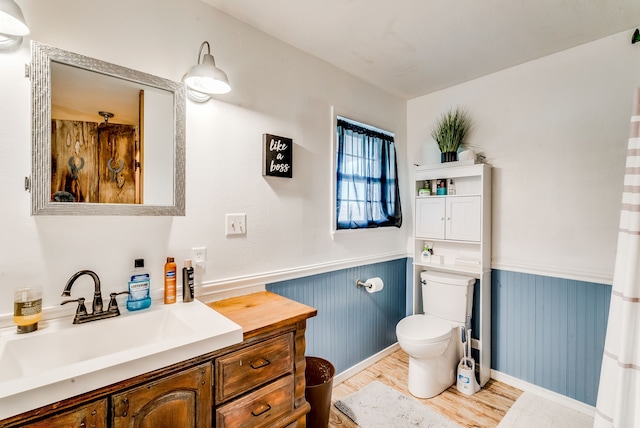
(543,392)
(364,364)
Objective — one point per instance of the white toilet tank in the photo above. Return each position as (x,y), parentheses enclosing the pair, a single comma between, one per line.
(447,295)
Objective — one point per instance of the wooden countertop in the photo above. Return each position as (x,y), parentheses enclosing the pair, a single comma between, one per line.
(260,311)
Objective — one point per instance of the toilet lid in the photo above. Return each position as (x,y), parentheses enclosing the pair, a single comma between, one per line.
(423,329)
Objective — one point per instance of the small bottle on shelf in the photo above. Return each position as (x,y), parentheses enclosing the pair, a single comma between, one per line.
(426,253)
(426,189)
(452,187)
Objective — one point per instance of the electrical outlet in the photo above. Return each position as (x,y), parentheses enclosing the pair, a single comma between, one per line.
(235,224)
(199,257)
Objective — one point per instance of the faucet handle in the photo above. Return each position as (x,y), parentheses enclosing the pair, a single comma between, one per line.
(82,309)
(113,304)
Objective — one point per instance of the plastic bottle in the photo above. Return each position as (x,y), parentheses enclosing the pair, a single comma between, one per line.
(187,281)
(426,253)
(452,187)
(139,287)
(170,281)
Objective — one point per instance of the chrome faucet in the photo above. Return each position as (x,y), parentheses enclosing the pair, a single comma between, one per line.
(97,312)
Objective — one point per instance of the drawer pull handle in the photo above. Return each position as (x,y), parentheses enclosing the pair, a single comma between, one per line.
(261,409)
(262,362)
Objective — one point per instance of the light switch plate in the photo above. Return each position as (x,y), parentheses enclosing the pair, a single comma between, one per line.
(235,224)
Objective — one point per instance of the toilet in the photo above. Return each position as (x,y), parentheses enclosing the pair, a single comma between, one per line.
(432,340)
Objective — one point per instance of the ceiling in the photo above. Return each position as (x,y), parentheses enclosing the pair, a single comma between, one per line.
(70,87)
(413,47)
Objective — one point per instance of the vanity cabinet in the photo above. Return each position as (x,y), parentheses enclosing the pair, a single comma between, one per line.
(258,383)
(179,400)
(182,399)
(92,415)
(251,368)
(261,383)
(457,228)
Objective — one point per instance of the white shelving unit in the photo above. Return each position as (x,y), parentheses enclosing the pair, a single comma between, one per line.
(458,228)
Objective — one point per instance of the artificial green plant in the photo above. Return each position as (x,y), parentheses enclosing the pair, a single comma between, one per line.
(450,130)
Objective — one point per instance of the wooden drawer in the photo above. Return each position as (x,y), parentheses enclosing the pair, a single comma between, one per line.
(248,368)
(260,408)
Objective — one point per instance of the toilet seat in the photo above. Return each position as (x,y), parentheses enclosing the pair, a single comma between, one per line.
(423,329)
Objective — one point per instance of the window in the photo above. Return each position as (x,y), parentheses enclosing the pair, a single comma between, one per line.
(367,190)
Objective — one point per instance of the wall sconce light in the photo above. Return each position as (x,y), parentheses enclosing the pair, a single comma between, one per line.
(204,78)
(12,25)
(636,36)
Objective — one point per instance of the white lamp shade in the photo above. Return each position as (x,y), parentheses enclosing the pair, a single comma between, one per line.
(206,78)
(12,21)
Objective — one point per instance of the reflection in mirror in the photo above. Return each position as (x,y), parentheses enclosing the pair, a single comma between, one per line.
(111,140)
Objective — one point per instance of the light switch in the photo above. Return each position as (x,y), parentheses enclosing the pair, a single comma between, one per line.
(235,224)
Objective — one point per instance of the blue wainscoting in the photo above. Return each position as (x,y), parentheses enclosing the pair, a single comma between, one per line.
(545,331)
(550,331)
(352,324)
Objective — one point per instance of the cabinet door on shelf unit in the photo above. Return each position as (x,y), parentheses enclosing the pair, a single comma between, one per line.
(430,215)
(463,218)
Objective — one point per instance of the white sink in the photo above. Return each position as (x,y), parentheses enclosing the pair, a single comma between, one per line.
(62,360)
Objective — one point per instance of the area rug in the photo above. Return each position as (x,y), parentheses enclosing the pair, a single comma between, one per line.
(532,411)
(378,405)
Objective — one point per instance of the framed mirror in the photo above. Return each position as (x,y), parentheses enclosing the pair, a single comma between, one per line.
(106,139)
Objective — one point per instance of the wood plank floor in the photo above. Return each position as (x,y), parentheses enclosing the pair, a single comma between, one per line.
(483,409)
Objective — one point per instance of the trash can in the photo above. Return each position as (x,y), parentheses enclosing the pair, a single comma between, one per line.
(319,378)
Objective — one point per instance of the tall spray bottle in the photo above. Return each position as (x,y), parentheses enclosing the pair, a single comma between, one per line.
(187,281)
(170,281)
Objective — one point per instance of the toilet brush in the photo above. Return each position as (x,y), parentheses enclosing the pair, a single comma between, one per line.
(468,354)
(467,383)
(463,338)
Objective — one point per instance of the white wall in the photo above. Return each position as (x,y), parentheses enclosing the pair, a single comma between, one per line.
(556,132)
(276,89)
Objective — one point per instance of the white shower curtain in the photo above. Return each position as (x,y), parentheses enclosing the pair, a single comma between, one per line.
(619,392)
